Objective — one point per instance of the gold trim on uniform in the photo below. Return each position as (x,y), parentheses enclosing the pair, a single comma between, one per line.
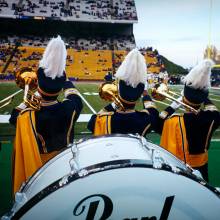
(126,111)
(190,103)
(208,135)
(48,94)
(42,143)
(26,109)
(48,103)
(210,107)
(71,91)
(102,113)
(70,128)
(145,130)
(125,101)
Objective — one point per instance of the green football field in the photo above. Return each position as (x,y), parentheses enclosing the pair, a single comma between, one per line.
(90,92)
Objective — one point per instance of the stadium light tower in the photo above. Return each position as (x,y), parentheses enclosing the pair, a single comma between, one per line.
(210,30)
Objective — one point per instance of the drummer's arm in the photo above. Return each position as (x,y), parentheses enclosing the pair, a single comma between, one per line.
(150,106)
(15,113)
(162,117)
(72,94)
(166,113)
(210,106)
(110,107)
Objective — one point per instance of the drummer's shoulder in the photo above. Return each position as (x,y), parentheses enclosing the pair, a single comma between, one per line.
(24,111)
(176,115)
(104,113)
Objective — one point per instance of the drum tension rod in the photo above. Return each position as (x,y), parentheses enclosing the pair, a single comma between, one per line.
(73,163)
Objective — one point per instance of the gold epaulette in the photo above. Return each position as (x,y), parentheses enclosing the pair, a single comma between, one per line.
(71,91)
(103,113)
(175,114)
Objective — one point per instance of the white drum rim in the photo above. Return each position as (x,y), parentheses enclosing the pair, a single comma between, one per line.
(66,150)
(101,167)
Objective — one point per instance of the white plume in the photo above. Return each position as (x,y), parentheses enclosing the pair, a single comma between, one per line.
(199,76)
(54,58)
(133,69)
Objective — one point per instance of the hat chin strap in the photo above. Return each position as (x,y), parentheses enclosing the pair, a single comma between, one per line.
(48,94)
(125,101)
(186,101)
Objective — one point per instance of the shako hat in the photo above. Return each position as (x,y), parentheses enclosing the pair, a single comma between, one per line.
(51,71)
(131,76)
(197,83)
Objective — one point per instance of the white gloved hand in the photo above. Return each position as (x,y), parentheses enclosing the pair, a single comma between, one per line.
(37,94)
(175,105)
(114,106)
(182,92)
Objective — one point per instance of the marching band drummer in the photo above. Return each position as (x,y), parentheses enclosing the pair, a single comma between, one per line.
(131,79)
(41,134)
(188,135)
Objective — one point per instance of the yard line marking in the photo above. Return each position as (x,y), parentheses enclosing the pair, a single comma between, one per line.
(217,100)
(82,118)
(214,95)
(215,140)
(90,107)
(11,96)
(86,132)
(90,93)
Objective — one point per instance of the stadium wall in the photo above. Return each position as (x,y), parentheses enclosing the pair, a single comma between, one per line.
(49,27)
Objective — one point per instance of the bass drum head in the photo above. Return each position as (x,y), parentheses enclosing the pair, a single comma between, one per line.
(123,190)
(98,150)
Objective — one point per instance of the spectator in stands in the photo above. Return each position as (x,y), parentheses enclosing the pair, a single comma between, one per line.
(124,118)
(108,77)
(188,135)
(41,134)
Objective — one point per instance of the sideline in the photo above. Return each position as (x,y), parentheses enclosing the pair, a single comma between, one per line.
(82,118)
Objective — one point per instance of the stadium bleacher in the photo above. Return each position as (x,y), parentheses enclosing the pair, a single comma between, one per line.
(94,48)
(87,10)
(81,64)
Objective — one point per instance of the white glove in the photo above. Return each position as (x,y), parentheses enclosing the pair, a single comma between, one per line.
(182,92)
(175,105)
(22,106)
(37,94)
(114,106)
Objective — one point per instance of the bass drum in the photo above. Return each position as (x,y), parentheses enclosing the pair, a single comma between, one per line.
(116,177)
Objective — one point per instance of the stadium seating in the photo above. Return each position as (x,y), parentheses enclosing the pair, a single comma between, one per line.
(81,64)
(84,10)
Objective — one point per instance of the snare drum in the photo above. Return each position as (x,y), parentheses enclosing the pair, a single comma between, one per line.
(115,177)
